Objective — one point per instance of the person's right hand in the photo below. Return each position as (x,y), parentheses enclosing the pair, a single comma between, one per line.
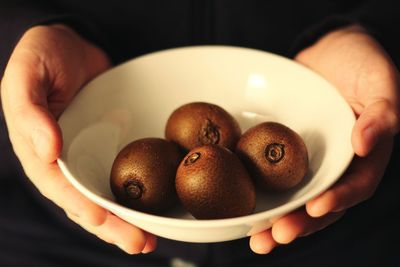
(46,69)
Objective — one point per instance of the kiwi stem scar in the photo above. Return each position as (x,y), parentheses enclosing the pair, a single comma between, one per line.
(209,133)
(192,158)
(274,152)
(133,189)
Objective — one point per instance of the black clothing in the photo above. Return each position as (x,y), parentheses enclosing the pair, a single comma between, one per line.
(34,232)
(126,29)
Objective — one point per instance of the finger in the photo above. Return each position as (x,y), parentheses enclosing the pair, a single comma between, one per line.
(114,230)
(378,120)
(263,243)
(151,243)
(49,180)
(357,184)
(25,106)
(59,190)
(299,223)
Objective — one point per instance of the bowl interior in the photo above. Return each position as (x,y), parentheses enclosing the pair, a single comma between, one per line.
(134,100)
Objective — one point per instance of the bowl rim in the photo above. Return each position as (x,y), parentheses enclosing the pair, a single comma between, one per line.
(193,223)
(197,223)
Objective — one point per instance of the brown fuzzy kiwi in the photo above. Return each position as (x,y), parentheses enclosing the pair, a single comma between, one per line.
(199,123)
(275,155)
(212,183)
(143,175)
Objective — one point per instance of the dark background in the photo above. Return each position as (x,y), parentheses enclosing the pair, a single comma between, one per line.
(34,232)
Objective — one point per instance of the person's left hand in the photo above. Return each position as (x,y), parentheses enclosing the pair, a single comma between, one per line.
(366,77)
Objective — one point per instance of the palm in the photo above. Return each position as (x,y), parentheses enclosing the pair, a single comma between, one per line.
(59,65)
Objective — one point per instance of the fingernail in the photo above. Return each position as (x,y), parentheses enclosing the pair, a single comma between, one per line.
(40,140)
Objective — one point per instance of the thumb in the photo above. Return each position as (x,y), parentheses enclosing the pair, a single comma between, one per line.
(45,135)
(378,120)
(26,110)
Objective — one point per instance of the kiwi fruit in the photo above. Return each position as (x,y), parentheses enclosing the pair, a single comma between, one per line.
(200,123)
(275,155)
(212,183)
(143,175)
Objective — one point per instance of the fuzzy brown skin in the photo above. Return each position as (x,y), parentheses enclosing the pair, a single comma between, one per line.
(277,170)
(212,183)
(199,123)
(143,175)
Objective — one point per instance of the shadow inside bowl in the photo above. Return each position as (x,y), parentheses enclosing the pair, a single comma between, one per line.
(316,146)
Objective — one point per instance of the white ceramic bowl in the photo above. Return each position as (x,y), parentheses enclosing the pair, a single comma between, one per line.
(134,100)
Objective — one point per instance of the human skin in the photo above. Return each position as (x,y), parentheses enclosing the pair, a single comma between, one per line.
(46,69)
(37,87)
(365,76)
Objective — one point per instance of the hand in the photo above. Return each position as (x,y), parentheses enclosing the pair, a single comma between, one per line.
(365,76)
(47,68)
